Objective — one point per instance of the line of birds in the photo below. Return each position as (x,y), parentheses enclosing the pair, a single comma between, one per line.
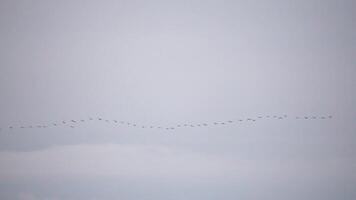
(72,123)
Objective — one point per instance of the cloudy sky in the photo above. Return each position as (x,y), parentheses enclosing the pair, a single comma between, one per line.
(168,63)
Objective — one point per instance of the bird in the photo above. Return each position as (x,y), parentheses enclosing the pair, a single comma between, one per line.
(73,121)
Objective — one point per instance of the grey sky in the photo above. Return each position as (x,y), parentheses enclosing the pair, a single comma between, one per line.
(168,62)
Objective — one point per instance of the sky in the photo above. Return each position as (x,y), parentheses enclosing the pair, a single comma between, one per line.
(168,63)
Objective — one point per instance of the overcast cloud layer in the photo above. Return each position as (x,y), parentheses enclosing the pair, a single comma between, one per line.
(172,62)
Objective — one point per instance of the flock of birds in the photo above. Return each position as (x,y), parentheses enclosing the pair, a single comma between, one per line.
(74,123)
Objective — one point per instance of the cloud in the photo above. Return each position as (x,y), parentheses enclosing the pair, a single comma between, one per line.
(159,161)
(111,160)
